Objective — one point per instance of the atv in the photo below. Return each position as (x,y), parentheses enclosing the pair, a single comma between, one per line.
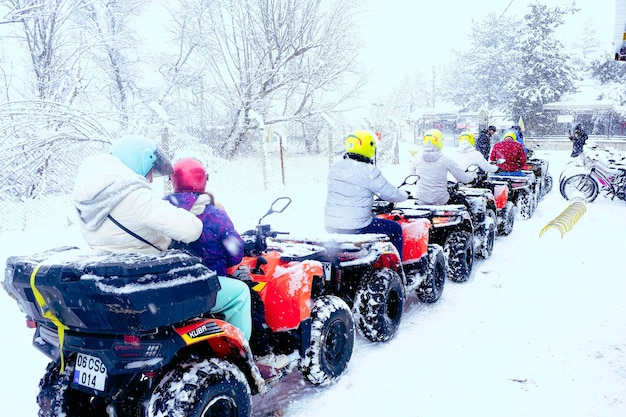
(481,204)
(523,191)
(505,209)
(539,167)
(131,334)
(366,272)
(452,229)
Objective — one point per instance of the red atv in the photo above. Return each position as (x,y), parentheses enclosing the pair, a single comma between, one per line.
(523,191)
(505,209)
(481,205)
(452,229)
(129,334)
(365,271)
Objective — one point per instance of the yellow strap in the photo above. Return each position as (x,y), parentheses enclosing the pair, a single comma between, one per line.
(47,313)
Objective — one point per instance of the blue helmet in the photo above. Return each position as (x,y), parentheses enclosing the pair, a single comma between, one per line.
(142,155)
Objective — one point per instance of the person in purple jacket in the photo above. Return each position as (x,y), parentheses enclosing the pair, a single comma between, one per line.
(220,246)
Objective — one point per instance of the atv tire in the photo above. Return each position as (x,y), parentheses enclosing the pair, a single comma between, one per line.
(489,236)
(431,288)
(332,341)
(526,205)
(548,184)
(200,388)
(507,220)
(57,399)
(459,252)
(378,304)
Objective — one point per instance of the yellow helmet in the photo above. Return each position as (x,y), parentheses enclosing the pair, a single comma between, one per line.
(435,137)
(362,142)
(509,133)
(468,136)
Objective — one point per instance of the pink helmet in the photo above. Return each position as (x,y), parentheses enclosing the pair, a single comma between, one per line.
(189,176)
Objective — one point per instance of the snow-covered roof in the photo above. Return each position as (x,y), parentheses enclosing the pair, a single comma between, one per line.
(580,105)
(586,98)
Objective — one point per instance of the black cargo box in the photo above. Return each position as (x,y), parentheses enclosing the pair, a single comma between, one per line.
(109,293)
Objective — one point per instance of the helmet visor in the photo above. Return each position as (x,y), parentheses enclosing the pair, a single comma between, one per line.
(162,165)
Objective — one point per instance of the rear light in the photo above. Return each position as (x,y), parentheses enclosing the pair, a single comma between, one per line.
(31,324)
(348,256)
(132,348)
(437,221)
(131,340)
(387,260)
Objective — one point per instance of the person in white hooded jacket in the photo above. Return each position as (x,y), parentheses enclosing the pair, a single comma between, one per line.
(119,212)
(467,155)
(432,167)
(115,187)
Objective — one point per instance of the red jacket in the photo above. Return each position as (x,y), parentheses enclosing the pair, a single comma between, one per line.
(513,153)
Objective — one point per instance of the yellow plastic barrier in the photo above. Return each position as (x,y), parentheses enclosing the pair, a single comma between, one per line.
(565,221)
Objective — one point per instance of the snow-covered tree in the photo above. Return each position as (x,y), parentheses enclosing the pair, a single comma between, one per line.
(44,143)
(612,77)
(111,44)
(63,102)
(478,78)
(281,59)
(43,26)
(543,70)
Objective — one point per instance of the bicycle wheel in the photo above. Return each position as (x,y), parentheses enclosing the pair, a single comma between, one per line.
(580,183)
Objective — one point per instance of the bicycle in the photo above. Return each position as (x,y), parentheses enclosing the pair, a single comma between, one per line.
(598,173)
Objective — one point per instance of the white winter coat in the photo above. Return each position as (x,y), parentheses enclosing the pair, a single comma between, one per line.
(103,186)
(352,185)
(433,166)
(467,155)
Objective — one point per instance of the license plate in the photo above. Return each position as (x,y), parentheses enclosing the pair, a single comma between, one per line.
(90,372)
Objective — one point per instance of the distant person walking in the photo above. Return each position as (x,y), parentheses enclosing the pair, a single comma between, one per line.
(578,138)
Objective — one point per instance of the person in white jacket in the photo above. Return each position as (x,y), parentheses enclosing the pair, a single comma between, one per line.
(119,212)
(352,184)
(432,167)
(116,187)
(467,155)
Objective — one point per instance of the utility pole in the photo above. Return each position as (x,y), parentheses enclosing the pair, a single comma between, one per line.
(433,88)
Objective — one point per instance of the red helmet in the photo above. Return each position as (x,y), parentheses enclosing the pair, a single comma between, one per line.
(189,175)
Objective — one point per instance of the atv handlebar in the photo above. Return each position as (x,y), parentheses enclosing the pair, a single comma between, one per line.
(255,241)
(385,207)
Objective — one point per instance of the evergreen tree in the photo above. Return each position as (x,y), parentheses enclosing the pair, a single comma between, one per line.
(544,71)
(478,78)
(612,77)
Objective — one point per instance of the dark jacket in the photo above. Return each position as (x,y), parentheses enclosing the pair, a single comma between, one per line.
(483,143)
(219,246)
(578,138)
(520,136)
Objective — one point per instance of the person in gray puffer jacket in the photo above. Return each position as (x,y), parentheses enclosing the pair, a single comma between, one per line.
(432,166)
(352,184)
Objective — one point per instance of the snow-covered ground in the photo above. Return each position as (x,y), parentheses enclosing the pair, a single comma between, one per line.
(538,330)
